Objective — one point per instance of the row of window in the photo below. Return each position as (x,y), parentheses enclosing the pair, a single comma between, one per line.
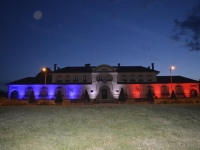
(105,77)
(68,77)
(132,78)
(123,78)
(165,90)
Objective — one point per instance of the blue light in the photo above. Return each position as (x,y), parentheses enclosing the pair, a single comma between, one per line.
(68,91)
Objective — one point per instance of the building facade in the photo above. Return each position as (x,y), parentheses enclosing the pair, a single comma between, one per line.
(103,83)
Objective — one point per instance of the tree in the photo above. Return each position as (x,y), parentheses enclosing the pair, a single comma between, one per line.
(87,97)
(150,96)
(59,97)
(32,98)
(122,96)
(173,95)
(189,29)
(3,94)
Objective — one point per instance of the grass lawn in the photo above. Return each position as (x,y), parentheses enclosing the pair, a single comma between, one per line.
(100,127)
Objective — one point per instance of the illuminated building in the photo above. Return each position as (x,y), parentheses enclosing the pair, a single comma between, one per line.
(102,82)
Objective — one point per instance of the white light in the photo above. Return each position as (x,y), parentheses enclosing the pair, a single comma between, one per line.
(37,15)
(172,67)
(44,69)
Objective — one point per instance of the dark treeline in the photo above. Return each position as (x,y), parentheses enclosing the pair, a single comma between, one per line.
(3,94)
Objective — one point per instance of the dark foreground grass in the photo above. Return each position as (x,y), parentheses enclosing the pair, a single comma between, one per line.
(109,127)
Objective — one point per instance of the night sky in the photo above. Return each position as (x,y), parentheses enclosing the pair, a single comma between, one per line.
(39,33)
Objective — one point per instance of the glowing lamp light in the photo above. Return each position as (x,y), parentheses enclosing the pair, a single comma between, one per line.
(172,68)
(45,80)
(44,69)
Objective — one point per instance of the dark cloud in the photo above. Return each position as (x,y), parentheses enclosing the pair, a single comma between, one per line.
(147,3)
(189,29)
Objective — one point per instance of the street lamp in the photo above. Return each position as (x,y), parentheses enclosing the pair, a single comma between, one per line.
(44,70)
(171,68)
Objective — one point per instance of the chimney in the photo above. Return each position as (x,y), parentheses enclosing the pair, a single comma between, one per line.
(118,64)
(55,67)
(148,67)
(87,65)
(152,65)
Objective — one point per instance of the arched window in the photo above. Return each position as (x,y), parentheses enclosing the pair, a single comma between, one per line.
(152,89)
(179,90)
(104,94)
(14,95)
(43,92)
(193,93)
(28,92)
(57,89)
(165,91)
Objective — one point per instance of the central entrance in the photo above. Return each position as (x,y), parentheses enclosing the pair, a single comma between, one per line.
(104,95)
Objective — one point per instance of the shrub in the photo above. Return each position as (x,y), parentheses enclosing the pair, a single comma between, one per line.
(42,103)
(164,102)
(32,98)
(173,96)
(13,103)
(150,96)
(122,96)
(86,97)
(189,101)
(59,97)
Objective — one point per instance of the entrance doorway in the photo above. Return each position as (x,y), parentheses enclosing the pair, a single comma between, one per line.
(193,93)
(104,94)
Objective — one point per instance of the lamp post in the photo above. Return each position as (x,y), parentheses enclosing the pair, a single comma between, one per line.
(171,68)
(44,70)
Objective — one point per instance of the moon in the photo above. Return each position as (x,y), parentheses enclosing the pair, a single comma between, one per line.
(37,15)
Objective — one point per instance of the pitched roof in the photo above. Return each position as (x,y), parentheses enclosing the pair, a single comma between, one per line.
(160,79)
(31,80)
(73,69)
(175,79)
(119,69)
(135,69)
(36,80)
